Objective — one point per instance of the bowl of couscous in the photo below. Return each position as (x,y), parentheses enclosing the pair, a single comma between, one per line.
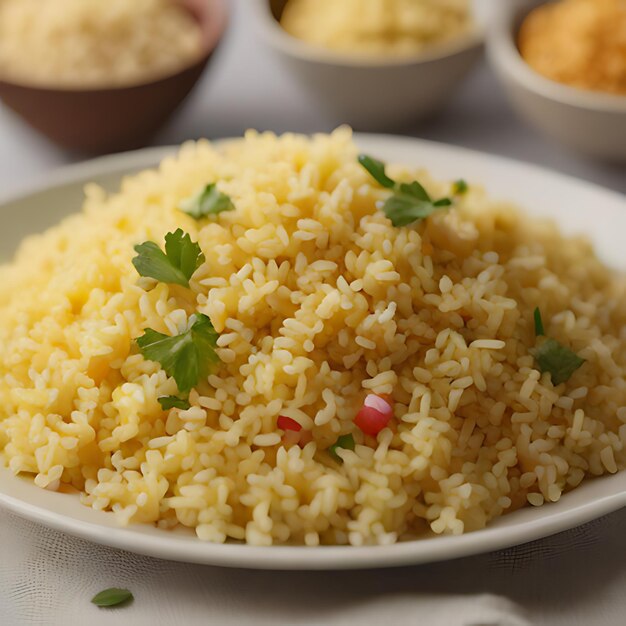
(378,65)
(103,77)
(563,65)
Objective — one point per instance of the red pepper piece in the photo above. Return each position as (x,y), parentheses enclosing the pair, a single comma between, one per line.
(286,423)
(371,421)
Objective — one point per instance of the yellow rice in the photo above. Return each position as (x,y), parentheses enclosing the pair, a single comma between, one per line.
(319,300)
(95,43)
(377,27)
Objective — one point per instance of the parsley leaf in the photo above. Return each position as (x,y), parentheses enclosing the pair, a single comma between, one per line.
(409,201)
(173,402)
(406,206)
(182,257)
(555,358)
(460,187)
(346,442)
(209,201)
(112,597)
(376,169)
(186,357)
(552,356)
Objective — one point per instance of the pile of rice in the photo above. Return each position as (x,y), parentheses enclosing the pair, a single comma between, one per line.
(82,43)
(319,301)
(380,27)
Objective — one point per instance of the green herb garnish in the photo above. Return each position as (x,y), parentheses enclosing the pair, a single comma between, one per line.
(460,187)
(553,357)
(173,402)
(405,207)
(186,357)
(182,257)
(209,201)
(376,169)
(345,442)
(539,330)
(409,201)
(112,597)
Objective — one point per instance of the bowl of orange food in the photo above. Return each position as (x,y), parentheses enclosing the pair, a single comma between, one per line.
(104,77)
(563,65)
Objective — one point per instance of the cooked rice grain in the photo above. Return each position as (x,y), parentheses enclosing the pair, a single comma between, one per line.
(319,301)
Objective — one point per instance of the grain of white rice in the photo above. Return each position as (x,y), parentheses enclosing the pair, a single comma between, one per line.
(487,344)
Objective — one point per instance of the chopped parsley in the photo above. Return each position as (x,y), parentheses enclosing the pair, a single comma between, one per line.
(209,201)
(182,257)
(376,169)
(553,357)
(346,442)
(186,357)
(539,329)
(112,597)
(460,187)
(409,201)
(173,402)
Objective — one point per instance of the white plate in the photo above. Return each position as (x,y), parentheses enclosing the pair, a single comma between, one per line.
(577,206)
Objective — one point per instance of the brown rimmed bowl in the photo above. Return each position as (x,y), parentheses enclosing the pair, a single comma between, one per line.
(109,119)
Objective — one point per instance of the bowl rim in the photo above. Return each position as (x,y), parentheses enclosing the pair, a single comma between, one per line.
(278,38)
(505,56)
(219,10)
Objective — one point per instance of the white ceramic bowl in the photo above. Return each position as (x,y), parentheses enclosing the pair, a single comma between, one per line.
(380,93)
(592,123)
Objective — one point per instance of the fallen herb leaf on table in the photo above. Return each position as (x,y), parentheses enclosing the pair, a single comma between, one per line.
(112,597)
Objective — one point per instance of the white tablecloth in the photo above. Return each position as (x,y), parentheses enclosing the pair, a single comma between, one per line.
(577,578)
(574,579)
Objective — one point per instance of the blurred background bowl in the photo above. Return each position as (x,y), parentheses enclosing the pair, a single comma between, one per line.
(589,122)
(374,94)
(109,119)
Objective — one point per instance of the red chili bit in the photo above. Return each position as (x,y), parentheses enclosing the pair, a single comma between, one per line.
(375,415)
(286,423)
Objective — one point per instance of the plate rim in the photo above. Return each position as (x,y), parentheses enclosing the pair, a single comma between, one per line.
(305,558)
(279,557)
(146,158)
